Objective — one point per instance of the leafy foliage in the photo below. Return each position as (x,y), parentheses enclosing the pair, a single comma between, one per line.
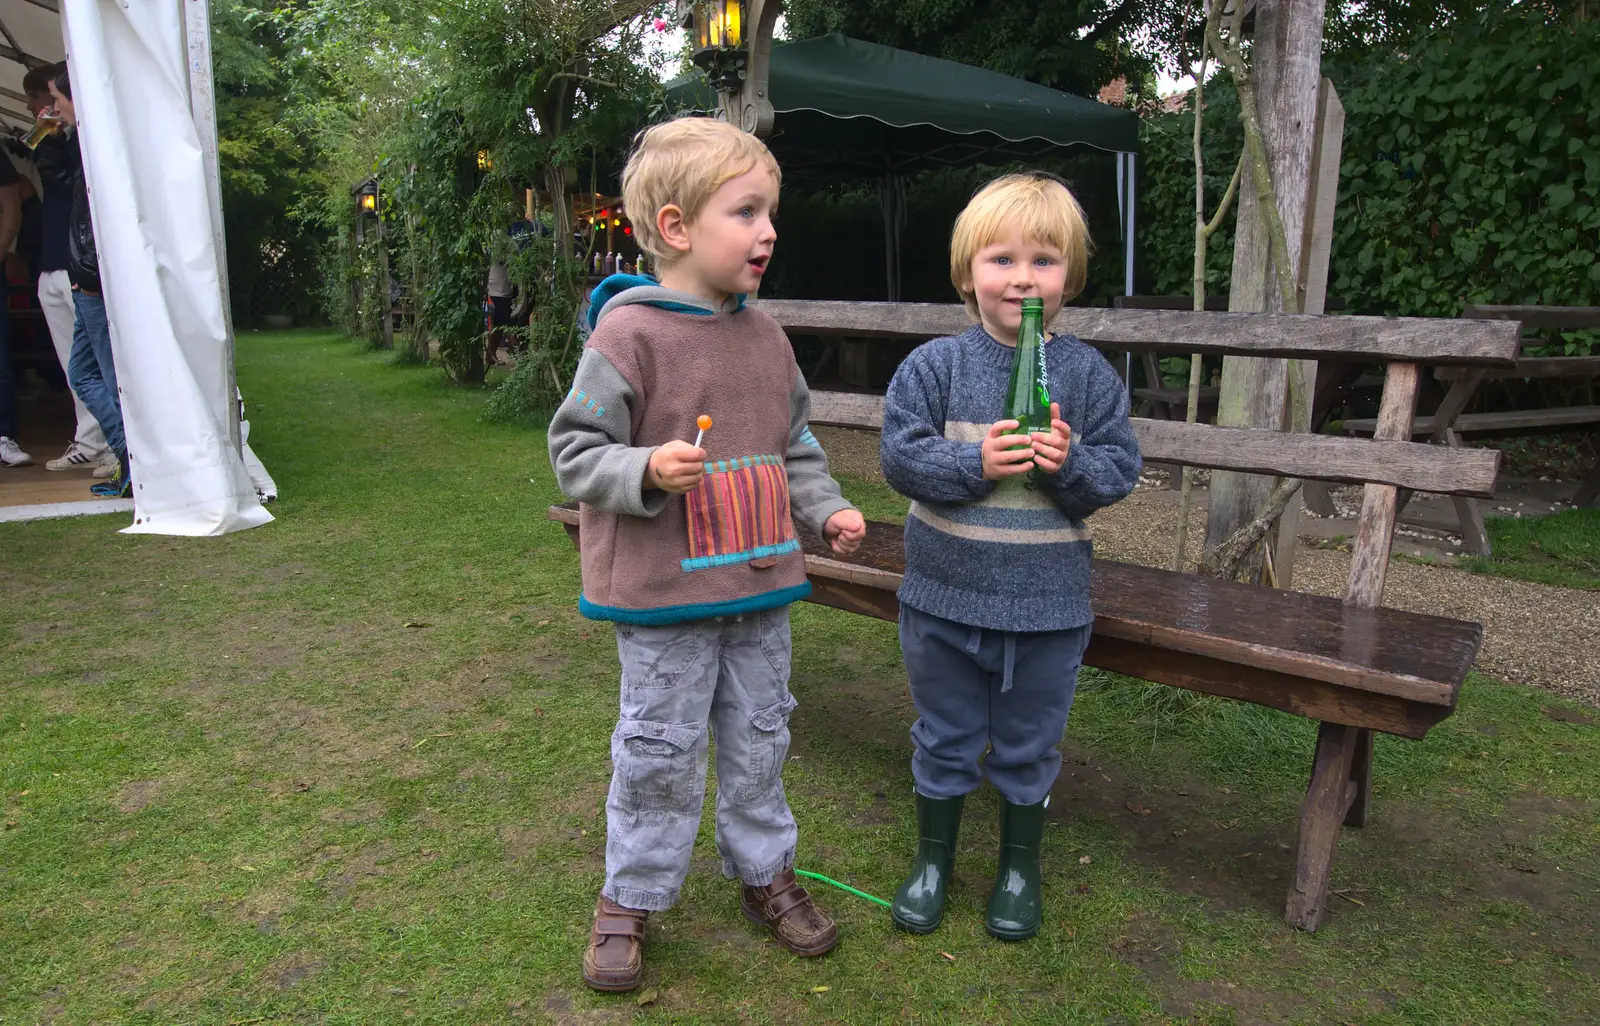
(413,94)
(1470,174)
(266,166)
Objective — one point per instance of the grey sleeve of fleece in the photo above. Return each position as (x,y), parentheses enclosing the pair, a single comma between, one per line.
(814,495)
(589,439)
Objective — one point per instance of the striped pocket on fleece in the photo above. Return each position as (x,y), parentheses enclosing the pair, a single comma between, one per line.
(740,513)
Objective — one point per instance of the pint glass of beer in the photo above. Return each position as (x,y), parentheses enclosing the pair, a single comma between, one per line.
(46,124)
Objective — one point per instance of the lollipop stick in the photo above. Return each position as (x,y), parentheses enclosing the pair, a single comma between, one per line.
(699,435)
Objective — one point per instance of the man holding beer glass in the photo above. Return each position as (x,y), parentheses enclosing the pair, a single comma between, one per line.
(54,157)
(90,370)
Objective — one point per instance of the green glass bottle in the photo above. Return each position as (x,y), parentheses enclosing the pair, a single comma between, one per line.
(1028,394)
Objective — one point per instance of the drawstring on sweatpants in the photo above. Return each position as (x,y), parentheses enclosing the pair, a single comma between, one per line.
(1009,666)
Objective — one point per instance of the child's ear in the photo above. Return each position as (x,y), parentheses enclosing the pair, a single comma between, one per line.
(673,227)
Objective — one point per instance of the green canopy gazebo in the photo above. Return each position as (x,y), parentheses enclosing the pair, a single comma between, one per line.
(848,109)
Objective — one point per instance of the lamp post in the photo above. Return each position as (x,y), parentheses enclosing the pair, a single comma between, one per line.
(733,44)
(366,195)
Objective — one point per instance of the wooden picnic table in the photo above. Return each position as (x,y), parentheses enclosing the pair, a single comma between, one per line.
(1351,664)
(1450,425)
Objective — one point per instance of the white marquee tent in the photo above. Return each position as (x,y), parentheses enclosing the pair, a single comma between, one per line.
(141,82)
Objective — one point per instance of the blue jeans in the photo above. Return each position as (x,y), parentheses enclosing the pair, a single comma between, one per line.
(8,381)
(976,689)
(91,372)
(731,676)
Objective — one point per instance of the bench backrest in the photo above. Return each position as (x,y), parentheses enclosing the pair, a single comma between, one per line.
(1386,462)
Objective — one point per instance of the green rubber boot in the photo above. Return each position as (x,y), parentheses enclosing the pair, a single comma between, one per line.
(919,903)
(1016,905)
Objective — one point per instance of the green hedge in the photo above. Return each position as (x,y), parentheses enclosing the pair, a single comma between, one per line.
(1470,175)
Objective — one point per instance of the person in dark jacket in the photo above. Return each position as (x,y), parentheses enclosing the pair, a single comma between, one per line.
(91,370)
(55,158)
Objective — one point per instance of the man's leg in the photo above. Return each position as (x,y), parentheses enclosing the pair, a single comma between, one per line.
(55,299)
(8,382)
(11,454)
(90,370)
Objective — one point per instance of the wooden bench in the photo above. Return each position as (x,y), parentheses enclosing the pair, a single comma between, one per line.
(1450,425)
(1351,664)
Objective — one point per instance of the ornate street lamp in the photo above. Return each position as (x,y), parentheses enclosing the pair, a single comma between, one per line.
(719,41)
(733,44)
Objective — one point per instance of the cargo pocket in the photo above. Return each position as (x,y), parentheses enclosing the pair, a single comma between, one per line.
(655,764)
(769,746)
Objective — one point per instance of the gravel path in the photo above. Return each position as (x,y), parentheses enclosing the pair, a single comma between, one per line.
(1534,634)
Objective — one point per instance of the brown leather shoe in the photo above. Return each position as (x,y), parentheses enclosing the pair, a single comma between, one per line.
(785,908)
(615,959)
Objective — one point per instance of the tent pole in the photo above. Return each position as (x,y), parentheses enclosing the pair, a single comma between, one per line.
(1127,277)
(203,107)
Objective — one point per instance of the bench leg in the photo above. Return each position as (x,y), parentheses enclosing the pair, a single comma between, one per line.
(1469,514)
(1589,489)
(1474,534)
(1361,777)
(1328,800)
(1319,498)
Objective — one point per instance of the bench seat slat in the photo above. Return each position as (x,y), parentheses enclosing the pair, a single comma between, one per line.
(1301,336)
(1415,465)
(1393,655)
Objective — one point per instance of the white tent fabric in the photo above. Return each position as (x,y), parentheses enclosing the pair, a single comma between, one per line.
(155,218)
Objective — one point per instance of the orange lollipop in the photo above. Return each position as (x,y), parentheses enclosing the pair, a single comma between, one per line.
(703,422)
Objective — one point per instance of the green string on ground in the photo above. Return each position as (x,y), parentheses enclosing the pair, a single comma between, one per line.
(842,887)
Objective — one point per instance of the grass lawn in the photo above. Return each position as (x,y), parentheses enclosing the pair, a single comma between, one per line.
(350,768)
(1563,549)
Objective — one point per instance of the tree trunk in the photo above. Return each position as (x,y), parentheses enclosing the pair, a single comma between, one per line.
(1287,71)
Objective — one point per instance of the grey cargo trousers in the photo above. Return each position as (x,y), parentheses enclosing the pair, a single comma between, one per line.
(727,677)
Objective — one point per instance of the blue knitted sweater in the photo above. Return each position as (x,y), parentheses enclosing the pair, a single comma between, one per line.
(1012,557)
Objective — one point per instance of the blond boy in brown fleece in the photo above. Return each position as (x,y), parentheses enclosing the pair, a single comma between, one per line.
(691,551)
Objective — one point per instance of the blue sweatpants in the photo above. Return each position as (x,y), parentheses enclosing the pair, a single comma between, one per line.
(976,690)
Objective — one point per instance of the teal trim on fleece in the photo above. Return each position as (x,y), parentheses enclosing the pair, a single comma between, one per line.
(665,615)
(628,289)
(733,558)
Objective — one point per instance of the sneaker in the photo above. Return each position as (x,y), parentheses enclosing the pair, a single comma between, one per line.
(11,455)
(118,486)
(107,467)
(75,458)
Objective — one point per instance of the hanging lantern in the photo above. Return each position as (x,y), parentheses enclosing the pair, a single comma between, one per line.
(367,196)
(719,41)
(719,25)
(485,162)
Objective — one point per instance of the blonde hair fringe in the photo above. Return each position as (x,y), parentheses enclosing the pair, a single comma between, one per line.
(1042,207)
(683,163)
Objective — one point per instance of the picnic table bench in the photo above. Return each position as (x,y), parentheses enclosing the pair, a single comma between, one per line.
(1450,425)
(1351,664)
